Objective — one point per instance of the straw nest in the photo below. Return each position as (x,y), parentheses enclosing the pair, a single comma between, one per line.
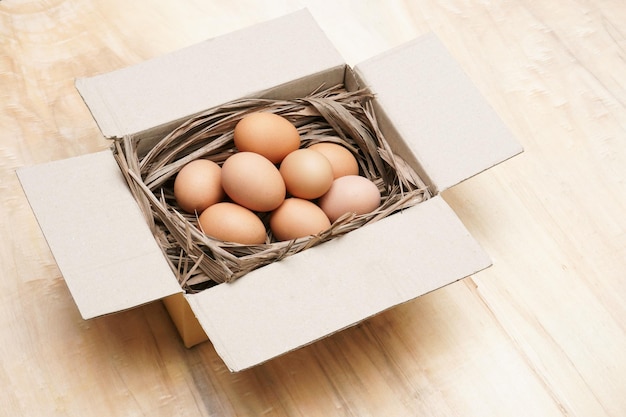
(333,114)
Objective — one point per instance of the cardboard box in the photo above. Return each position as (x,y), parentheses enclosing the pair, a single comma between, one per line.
(430,113)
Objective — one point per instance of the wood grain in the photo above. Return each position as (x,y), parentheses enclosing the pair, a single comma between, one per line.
(541,333)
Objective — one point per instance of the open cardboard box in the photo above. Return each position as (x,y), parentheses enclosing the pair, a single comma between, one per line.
(429,111)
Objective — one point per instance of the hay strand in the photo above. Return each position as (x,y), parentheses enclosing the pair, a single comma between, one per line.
(335,115)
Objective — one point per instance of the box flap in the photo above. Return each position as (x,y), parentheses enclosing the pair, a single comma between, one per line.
(324,289)
(448,126)
(97,234)
(193,79)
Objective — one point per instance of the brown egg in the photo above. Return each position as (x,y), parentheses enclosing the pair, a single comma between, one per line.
(252,181)
(340,158)
(350,194)
(231,222)
(267,134)
(297,218)
(307,174)
(198,185)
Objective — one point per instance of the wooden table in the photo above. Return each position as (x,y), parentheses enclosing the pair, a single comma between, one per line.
(541,333)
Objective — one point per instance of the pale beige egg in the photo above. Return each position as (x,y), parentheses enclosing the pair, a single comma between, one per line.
(307,174)
(340,158)
(350,194)
(231,222)
(267,134)
(297,218)
(198,185)
(252,181)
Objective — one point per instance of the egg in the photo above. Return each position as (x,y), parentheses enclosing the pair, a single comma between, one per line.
(307,174)
(296,218)
(198,185)
(267,134)
(252,181)
(231,222)
(350,194)
(340,158)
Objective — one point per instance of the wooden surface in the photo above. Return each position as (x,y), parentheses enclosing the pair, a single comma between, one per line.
(541,333)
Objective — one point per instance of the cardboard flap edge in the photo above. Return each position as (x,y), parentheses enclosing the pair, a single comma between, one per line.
(89,90)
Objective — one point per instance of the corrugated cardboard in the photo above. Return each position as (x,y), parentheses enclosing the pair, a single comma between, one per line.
(429,111)
(286,58)
(97,234)
(335,285)
(436,111)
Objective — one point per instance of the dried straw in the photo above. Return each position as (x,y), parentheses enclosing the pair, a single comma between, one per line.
(333,115)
